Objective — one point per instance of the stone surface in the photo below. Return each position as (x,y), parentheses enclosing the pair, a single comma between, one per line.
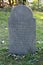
(22,31)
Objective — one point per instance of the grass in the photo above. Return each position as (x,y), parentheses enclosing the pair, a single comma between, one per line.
(29,59)
(39,25)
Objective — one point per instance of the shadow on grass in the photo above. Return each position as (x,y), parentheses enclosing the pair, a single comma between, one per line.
(6,9)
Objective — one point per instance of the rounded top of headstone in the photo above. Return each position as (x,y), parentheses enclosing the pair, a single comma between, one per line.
(21,11)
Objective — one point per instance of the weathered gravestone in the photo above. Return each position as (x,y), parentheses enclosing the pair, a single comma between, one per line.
(22,30)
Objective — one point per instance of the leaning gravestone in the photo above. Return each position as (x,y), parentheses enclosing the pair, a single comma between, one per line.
(22,31)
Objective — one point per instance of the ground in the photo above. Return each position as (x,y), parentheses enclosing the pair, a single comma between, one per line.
(29,59)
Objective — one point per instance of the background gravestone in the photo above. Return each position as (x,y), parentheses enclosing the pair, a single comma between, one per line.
(22,30)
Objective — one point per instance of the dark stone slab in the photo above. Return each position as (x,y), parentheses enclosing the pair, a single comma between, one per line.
(22,31)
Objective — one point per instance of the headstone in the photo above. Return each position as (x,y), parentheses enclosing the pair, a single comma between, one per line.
(22,31)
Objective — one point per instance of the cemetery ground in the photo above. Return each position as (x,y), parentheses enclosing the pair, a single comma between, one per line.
(29,59)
